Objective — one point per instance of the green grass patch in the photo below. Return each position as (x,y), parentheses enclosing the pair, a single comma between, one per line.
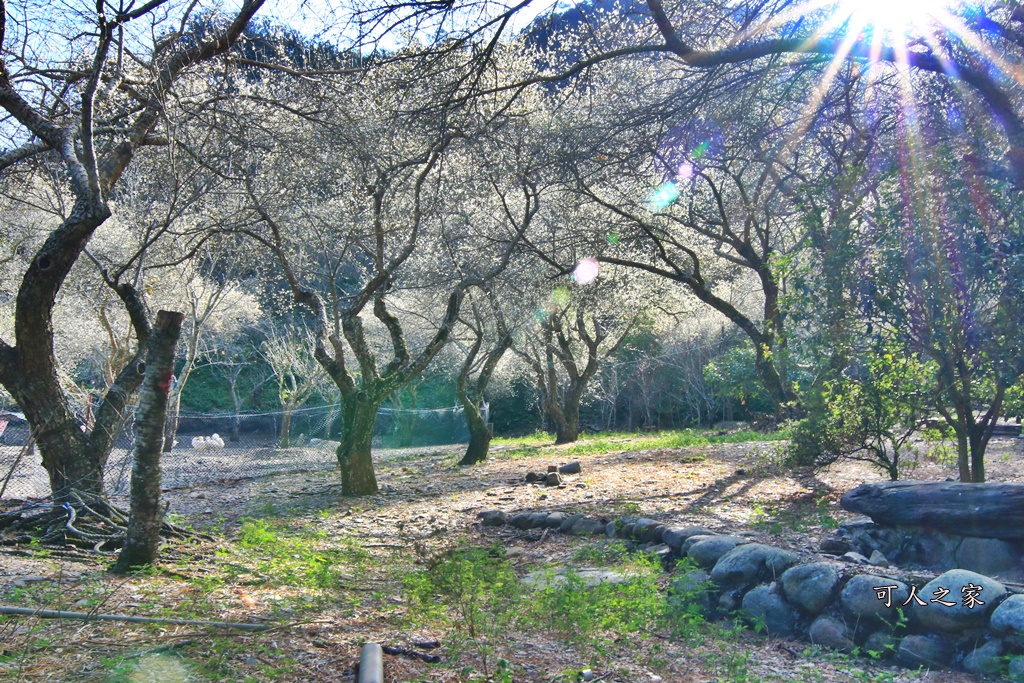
(618,442)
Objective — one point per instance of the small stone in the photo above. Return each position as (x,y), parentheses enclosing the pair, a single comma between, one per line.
(514,551)
(835,546)
(571,467)
(586,526)
(832,633)
(684,549)
(587,675)
(533,477)
(878,559)
(252,661)
(553,479)
(881,644)
(855,558)
(552,468)
(926,651)
(197,495)
(581,485)
(208,511)
(492,518)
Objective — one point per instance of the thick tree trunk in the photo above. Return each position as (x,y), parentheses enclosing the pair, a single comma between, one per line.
(567,419)
(359,415)
(479,433)
(143,538)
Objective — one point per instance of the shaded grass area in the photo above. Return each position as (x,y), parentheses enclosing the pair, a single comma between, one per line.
(539,443)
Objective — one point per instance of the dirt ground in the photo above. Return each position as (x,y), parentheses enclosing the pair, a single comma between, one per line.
(426,506)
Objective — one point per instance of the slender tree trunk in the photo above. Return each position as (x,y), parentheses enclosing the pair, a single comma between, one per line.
(171,429)
(359,415)
(143,538)
(286,426)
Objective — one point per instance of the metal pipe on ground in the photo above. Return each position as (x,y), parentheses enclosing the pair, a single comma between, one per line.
(371,664)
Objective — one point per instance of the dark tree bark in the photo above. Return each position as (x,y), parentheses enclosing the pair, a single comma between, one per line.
(145,519)
(471,393)
(355,459)
(73,459)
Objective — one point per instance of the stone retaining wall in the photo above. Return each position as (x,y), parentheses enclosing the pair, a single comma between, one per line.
(961,619)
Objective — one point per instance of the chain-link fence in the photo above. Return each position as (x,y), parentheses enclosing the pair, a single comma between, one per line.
(216,447)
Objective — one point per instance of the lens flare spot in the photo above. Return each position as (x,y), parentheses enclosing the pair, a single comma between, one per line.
(685,171)
(613,238)
(586,271)
(701,149)
(662,198)
(561,296)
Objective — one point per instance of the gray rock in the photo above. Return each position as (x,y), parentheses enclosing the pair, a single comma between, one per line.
(611,529)
(881,645)
(746,564)
(927,651)
(1017,670)
(985,660)
(986,555)
(1008,617)
(878,559)
(693,540)
(555,520)
(674,536)
(586,526)
(855,558)
(835,546)
(939,617)
(553,479)
(659,551)
(707,552)
(831,632)
(929,548)
(586,576)
(763,606)
(642,529)
(570,467)
(528,520)
(691,588)
(860,598)
(569,521)
(492,518)
(810,586)
(625,531)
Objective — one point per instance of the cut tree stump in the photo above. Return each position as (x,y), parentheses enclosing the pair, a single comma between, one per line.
(985,510)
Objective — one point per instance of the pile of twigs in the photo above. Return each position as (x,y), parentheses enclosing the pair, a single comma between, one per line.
(84,521)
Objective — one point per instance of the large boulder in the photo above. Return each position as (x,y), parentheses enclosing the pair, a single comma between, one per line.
(765,607)
(957,586)
(986,510)
(986,660)
(810,586)
(750,563)
(987,555)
